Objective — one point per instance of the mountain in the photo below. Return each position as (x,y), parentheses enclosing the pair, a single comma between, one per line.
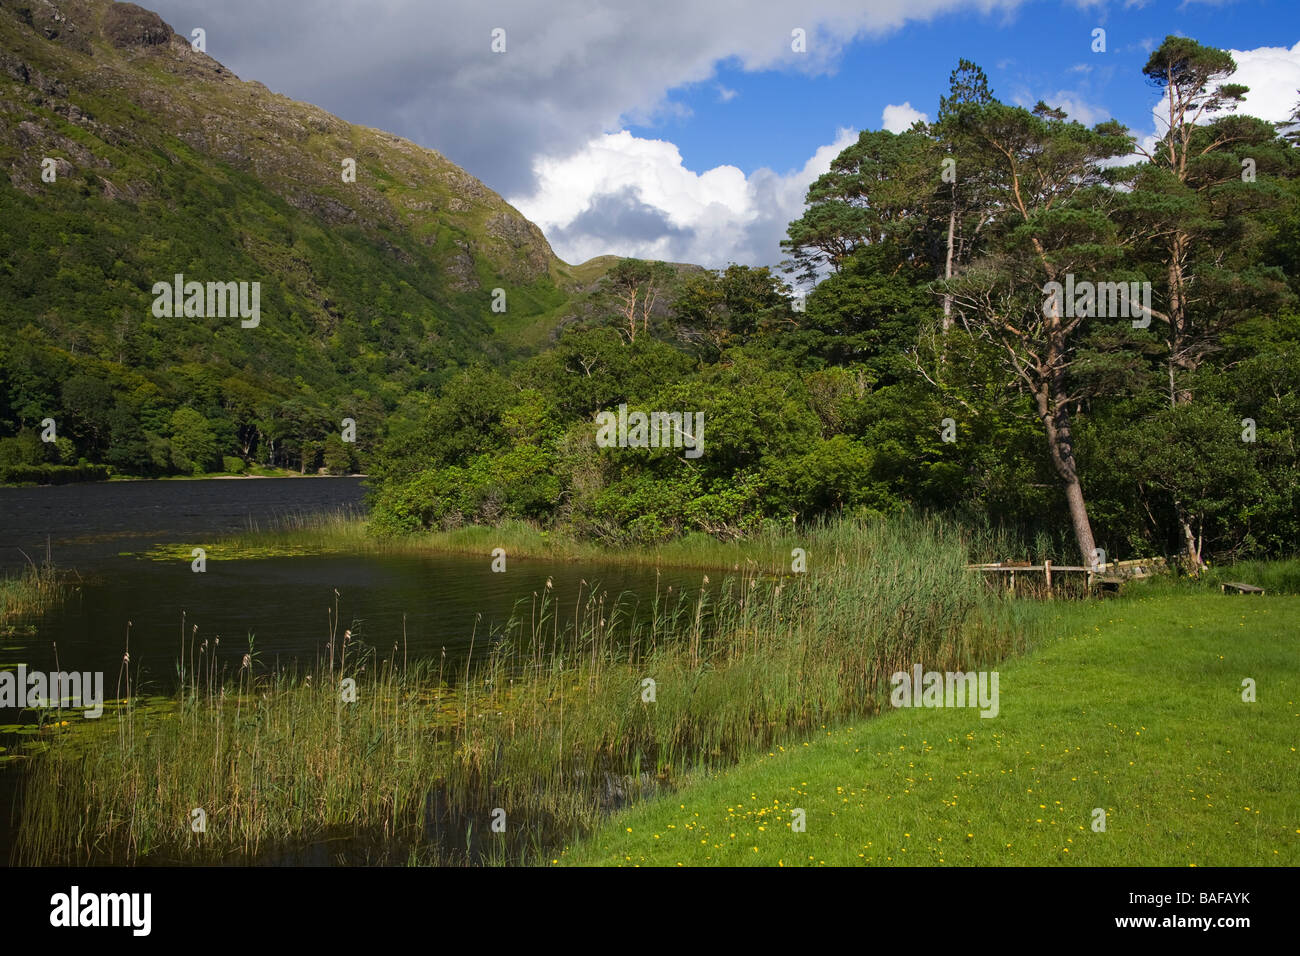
(131,158)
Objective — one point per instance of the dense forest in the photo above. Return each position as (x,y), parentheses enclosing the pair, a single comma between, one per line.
(932,366)
(1001,314)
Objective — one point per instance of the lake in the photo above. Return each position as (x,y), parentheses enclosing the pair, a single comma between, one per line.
(427,605)
(434,606)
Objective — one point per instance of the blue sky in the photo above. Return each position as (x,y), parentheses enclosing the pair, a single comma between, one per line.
(777,117)
(689,130)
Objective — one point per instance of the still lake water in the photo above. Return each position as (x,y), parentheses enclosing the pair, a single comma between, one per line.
(101,530)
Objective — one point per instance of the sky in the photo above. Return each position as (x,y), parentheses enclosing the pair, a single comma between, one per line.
(690,130)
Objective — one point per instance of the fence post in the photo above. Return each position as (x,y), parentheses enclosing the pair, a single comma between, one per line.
(1047,568)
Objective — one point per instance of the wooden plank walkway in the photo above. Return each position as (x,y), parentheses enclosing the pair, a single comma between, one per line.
(1047,568)
(1107,576)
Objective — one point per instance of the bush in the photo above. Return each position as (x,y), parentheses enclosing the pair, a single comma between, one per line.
(52,474)
(233,465)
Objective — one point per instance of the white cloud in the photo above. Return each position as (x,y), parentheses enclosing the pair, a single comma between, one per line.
(660,209)
(572,69)
(1076,108)
(1273,75)
(1271,72)
(898,119)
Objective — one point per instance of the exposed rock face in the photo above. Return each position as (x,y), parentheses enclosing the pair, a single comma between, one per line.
(524,240)
(460,268)
(126,25)
(50,22)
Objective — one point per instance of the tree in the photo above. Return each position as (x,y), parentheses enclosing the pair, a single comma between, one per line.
(1184,71)
(87,401)
(1194,454)
(1292,126)
(727,308)
(869,313)
(1051,222)
(338,457)
(1191,203)
(967,86)
(635,286)
(194,448)
(876,189)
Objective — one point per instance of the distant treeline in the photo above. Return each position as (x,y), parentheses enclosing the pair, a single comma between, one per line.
(52,474)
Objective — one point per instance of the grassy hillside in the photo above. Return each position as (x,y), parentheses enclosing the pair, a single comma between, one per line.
(130,157)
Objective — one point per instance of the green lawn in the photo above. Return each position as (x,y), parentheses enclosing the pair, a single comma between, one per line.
(1135,707)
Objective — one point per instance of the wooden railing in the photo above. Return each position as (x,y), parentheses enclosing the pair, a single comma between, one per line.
(1111,573)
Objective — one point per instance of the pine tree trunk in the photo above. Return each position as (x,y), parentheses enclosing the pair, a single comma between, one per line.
(1190,546)
(1053,410)
(1180,396)
(947,269)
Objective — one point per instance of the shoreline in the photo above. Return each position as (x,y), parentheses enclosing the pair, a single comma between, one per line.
(224,476)
(120,479)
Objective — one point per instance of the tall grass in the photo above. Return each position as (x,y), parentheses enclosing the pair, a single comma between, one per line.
(31,592)
(1276,577)
(347,530)
(551,724)
(1281,576)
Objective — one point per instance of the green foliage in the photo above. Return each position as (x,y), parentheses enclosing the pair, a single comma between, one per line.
(916,369)
(52,474)
(918,372)
(363,304)
(193,445)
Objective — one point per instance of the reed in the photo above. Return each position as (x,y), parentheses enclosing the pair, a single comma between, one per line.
(347,530)
(549,724)
(31,592)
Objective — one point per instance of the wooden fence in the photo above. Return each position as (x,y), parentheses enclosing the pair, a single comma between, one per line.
(1107,576)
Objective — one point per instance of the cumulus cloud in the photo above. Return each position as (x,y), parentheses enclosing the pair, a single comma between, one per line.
(899,119)
(1273,75)
(572,69)
(625,195)
(1076,108)
(1074,104)
(575,71)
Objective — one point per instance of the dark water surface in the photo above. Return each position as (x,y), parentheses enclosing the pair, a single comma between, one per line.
(87,523)
(423,604)
(419,605)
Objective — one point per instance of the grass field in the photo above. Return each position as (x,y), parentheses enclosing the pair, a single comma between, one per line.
(1134,707)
